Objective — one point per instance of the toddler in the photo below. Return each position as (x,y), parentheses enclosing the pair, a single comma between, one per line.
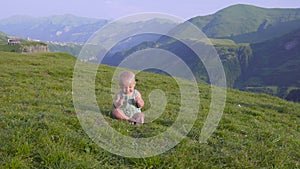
(128,101)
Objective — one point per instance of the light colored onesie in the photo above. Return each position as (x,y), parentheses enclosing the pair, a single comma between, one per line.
(129,106)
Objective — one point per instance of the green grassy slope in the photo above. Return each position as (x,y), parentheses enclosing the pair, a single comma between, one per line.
(39,127)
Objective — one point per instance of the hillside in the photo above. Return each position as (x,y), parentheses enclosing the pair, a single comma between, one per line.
(39,127)
(234,57)
(248,24)
(71,48)
(275,64)
(23,46)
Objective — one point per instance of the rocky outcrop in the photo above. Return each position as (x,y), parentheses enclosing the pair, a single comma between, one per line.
(34,49)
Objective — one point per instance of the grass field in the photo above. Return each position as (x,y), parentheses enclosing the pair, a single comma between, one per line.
(39,127)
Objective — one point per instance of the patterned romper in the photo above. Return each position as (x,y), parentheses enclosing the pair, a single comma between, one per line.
(129,107)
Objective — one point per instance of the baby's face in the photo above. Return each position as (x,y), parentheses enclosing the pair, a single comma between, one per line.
(127,88)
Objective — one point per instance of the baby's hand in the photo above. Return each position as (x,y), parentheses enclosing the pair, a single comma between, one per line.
(139,101)
(119,102)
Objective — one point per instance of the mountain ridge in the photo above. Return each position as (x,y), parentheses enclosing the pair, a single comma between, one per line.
(242,19)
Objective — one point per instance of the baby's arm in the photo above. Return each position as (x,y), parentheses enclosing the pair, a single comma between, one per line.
(118,102)
(139,100)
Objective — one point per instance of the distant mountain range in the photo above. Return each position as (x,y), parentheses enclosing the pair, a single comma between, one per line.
(241,23)
(61,28)
(259,47)
(67,28)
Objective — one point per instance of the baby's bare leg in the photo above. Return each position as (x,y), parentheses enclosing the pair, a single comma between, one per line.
(119,114)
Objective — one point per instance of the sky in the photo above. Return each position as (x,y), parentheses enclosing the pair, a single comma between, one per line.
(114,9)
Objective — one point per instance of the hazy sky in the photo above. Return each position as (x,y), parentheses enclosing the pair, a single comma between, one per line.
(113,9)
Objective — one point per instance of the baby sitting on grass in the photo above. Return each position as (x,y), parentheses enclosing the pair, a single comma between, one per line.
(128,101)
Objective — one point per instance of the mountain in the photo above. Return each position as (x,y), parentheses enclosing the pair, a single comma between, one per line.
(255,44)
(242,63)
(267,67)
(68,33)
(62,28)
(275,64)
(39,127)
(268,64)
(241,23)
(68,28)
(248,24)
(234,57)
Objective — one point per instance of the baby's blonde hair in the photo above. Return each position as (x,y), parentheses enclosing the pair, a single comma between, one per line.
(126,77)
